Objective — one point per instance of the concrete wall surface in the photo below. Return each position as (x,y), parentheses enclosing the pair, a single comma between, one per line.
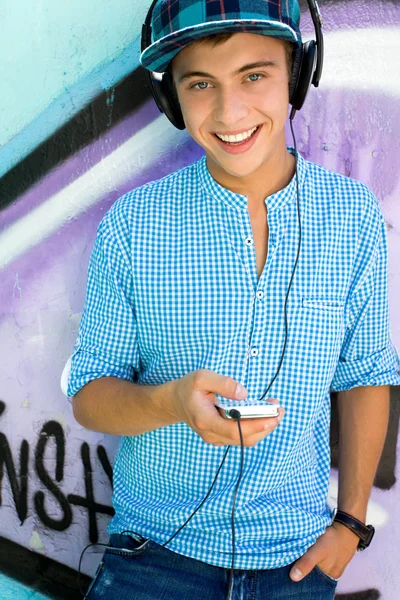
(78,128)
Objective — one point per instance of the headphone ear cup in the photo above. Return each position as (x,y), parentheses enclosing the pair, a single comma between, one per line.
(304,63)
(172,103)
(297,57)
(163,94)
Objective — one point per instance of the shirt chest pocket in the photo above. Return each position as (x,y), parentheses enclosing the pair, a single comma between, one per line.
(318,329)
(324,305)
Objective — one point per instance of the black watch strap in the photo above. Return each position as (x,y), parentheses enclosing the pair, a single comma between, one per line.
(364,532)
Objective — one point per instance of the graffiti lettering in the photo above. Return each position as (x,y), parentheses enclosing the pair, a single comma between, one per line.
(52,431)
(89,502)
(19,489)
(105,463)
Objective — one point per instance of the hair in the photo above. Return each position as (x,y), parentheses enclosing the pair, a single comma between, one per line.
(219,38)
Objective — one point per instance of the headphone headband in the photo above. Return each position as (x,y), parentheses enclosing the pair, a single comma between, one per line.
(317,21)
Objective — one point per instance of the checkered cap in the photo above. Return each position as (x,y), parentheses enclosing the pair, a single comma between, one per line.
(176,23)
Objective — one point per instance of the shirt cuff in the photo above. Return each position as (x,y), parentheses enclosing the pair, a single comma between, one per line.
(86,367)
(380,368)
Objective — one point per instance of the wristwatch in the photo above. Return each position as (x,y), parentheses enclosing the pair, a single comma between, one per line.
(364,532)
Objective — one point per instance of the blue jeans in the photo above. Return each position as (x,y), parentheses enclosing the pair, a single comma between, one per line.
(143,570)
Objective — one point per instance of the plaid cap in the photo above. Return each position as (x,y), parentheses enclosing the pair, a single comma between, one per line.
(176,23)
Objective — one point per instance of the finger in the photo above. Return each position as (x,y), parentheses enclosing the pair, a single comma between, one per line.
(213,428)
(253,439)
(253,430)
(304,565)
(208,381)
(228,430)
(216,429)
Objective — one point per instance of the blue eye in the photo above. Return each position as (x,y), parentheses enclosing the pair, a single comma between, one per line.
(203,85)
(255,75)
(200,82)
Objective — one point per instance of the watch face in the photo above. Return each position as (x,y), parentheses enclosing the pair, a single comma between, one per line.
(371,534)
(365,543)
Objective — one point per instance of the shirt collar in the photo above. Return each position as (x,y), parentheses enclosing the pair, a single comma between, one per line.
(238,201)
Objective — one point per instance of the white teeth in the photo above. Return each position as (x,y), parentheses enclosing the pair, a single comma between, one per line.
(236,138)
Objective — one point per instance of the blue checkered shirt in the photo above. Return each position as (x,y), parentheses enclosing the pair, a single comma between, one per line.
(173,287)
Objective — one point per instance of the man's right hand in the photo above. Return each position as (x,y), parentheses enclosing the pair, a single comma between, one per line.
(193,402)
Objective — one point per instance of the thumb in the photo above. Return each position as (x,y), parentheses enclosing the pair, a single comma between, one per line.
(304,565)
(233,389)
(227,387)
(230,388)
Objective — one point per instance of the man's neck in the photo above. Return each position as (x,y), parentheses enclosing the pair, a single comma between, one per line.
(271,177)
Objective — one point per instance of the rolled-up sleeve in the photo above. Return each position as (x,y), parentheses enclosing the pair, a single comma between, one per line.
(368,356)
(107,339)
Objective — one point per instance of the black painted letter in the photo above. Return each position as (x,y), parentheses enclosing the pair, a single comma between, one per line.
(52,429)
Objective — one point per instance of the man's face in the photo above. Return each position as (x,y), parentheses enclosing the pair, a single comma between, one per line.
(220,99)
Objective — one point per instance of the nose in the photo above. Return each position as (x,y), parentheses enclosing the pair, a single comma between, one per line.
(230,108)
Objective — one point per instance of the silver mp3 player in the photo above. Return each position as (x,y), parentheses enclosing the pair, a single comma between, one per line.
(250,411)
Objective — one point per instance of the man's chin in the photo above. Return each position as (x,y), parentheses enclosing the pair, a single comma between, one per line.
(234,166)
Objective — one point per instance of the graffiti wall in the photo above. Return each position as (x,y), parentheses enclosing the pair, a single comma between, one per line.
(78,128)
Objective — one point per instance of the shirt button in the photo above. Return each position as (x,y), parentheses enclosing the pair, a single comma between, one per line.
(260,295)
(254,351)
(249,241)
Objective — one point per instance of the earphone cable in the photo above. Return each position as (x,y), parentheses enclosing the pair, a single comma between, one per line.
(202,502)
(295,264)
(234,505)
(128,531)
(80,563)
(238,415)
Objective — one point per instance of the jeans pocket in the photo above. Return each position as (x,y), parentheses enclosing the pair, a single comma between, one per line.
(128,546)
(94,580)
(325,576)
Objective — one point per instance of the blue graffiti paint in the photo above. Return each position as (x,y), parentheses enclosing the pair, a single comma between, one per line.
(64,107)
(11,590)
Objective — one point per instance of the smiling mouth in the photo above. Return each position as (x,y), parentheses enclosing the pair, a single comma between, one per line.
(241,141)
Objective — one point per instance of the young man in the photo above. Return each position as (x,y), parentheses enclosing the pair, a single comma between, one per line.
(186,290)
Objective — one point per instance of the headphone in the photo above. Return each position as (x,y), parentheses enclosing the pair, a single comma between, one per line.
(306,70)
